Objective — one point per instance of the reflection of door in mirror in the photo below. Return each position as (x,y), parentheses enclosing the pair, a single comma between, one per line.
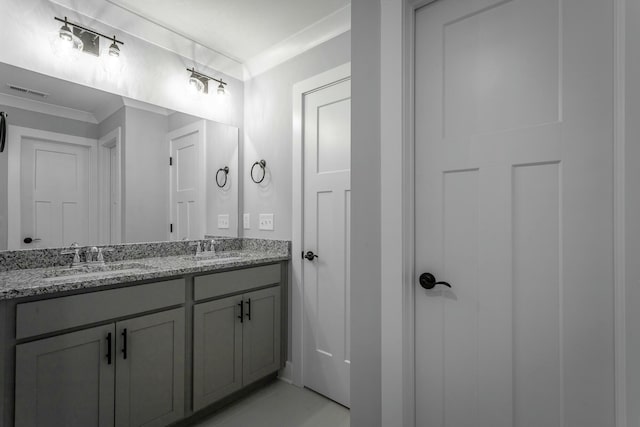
(56,187)
(187,182)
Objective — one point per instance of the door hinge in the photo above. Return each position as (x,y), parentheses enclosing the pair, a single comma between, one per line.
(170,228)
(170,161)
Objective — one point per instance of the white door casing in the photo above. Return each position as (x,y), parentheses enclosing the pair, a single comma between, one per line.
(327,200)
(514,207)
(333,267)
(187,181)
(52,188)
(110,209)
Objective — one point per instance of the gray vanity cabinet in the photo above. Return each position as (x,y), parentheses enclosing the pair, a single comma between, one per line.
(127,373)
(236,339)
(66,380)
(261,334)
(217,350)
(150,369)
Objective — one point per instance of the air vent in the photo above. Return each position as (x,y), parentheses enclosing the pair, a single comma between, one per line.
(28,91)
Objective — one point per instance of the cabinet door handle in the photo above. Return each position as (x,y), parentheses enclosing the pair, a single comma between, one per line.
(109,348)
(241,317)
(249,308)
(124,343)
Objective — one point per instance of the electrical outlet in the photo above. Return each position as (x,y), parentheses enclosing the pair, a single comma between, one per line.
(247,221)
(266,222)
(223,221)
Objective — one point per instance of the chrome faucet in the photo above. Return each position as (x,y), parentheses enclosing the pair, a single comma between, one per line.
(75,250)
(89,254)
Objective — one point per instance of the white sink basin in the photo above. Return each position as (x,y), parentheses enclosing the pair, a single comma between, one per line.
(91,271)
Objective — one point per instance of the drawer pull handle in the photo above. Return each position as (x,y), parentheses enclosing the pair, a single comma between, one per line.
(124,343)
(241,317)
(109,348)
(249,308)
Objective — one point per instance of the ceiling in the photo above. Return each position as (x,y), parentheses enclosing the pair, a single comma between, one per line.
(241,29)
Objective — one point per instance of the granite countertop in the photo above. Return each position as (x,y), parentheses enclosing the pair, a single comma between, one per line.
(50,280)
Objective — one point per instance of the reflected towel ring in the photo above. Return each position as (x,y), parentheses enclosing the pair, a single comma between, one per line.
(224,170)
(262,165)
(3,130)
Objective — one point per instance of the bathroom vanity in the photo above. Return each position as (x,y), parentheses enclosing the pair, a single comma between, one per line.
(148,341)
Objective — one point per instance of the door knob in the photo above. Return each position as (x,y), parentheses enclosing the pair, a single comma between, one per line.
(28,240)
(428,281)
(309,255)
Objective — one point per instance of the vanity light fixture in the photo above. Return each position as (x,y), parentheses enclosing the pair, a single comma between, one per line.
(86,39)
(200,82)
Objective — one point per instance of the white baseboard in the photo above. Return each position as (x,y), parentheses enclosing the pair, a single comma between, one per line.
(286,374)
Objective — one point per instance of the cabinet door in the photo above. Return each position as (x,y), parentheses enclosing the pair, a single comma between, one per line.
(217,350)
(66,380)
(150,369)
(261,334)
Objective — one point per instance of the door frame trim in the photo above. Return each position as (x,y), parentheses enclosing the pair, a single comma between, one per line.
(398,290)
(293,371)
(110,141)
(619,212)
(14,151)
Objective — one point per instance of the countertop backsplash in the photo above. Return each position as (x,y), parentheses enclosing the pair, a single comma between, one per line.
(51,257)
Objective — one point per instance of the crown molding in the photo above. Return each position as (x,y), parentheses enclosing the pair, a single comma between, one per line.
(49,109)
(331,26)
(133,103)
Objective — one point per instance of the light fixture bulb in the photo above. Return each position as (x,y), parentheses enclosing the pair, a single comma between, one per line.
(114,50)
(195,83)
(221,89)
(66,34)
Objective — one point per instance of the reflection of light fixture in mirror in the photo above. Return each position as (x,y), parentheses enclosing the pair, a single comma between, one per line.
(114,50)
(200,82)
(65,32)
(85,39)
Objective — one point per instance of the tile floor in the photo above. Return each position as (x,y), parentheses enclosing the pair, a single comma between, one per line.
(280,405)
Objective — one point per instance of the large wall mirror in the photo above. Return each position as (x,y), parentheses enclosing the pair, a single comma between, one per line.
(82,165)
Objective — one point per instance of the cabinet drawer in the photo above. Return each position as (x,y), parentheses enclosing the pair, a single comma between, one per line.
(41,317)
(217,284)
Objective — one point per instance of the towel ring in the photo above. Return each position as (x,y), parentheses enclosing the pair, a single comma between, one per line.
(262,165)
(225,171)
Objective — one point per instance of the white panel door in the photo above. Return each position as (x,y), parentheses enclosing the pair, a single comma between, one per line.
(55,188)
(327,215)
(513,190)
(187,182)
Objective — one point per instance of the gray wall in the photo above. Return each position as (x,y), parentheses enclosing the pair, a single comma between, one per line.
(633,212)
(268,132)
(222,150)
(146,177)
(365,205)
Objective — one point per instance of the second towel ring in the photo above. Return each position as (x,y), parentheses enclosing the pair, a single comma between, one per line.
(262,165)
(224,170)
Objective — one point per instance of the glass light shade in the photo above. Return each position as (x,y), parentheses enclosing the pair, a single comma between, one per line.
(221,90)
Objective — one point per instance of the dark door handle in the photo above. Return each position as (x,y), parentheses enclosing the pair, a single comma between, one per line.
(428,281)
(109,348)
(124,343)
(309,255)
(241,317)
(249,308)
(28,240)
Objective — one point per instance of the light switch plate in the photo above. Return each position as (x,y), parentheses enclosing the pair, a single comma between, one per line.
(223,221)
(247,221)
(266,222)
